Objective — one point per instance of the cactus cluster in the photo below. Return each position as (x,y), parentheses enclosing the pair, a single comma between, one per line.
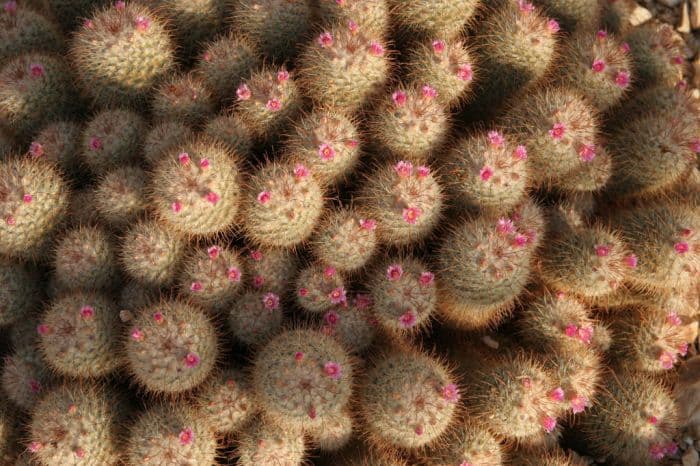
(344,233)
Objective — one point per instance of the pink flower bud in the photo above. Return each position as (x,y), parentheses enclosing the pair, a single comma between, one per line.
(585,334)
(571,330)
(243,92)
(184,158)
(10,7)
(485,173)
(673,319)
(300,171)
(282,76)
(27,198)
(303,292)
(273,105)
(622,79)
(399,98)
(394,272)
(338,295)
(136,334)
(158,317)
(578,404)
(602,250)
(557,394)
(587,152)
(368,224)
(423,171)
(625,47)
(598,66)
(553,25)
(95,144)
(43,329)
(233,274)
(263,197)
(525,6)
(505,226)
(192,360)
(213,252)
(403,169)
(352,26)
(329,272)
(549,423)
(196,286)
(212,197)
(332,370)
(602,34)
(271,301)
(681,247)
(631,261)
(376,49)
(176,207)
(450,392)
(325,39)
(429,92)
(298,356)
(186,436)
(87,311)
(204,163)
(331,318)
(36,149)
(411,215)
(667,360)
(142,23)
(495,138)
(119,5)
(426,278)
(326,152)
(557,131)
(407,319)
(465,73)
(521,153)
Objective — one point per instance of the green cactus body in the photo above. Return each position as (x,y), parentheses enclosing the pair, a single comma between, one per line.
(24,30)
(184,98)
(333,434)
(34,200)
(485,264)
(405,202)
(25,377)
(172,347)
(226,402)
(469,443)
(60,143)
(163,138)
(370,15)
(409,400)
(85,258)
(274,26)
(657,54)
(344,240)
(224,63)
(112,139)
(151,254)
(255,317)
(351,324)
(302,378)
(403,294)
(35,90)
(264,444)
(344,68)
(196,188)
(574,15)
(121,53)
(211,277)
(434,18)
(120,196)
(76,424)
(447,66)
(79,335)
(270,269)
(319,287)
(283,204)
(20,294)
(233,132)
(487,172)
(327,143)
(171,434)
(633,421)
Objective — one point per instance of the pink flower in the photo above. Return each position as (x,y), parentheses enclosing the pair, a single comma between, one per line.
(300,171)
(681,247)
(450,392)
(42,329)
(196,286)
(578,404)
(352,143)
(233,274)
(657,452)
(671,448)
(119,5)
(553,25)
(625,47)
(486,173)
(87,311)
(601,34)
(505,226)
(10,7)
(622,79)
(571,330)
(36,70)
(411,215)
(631,261)
(271,301)
(282,76)
(88,24)
(465,73)
(256,255)
(403,169)
(526,7)
(332,370)
(557,131)
(352,26)
(192,360)
(549,423)
(298,356)
(142,23)
(273,105)
(426,278)
(368,224)
(694,146)
(136,334)
(419,430)
(95,144)
(212,197)
(176,207)
(557,394)
(423,171)
(376,49)
(329,272)
(587,152)
(243,92)
(673,319)
(35,447)
(213,252)
(394,272)
(27,198)
(585,334)
(683,349)
(36,149)
(495,138)
(10,220)
(206,56)
(326,152)
(158,317)
(186,436)
(598,66)
(521,153)
(653,420)
(438,46)
(602,250)
(325,39)
(79,452)
(204,163)
(667,360)
(520,240)
(677,60)
(331,318)
(258,281)
(184,158)
(338,295)
(407,319)
(35,386)
(399,98)
(303,292)
(527,383)
(429,92)
(264,197)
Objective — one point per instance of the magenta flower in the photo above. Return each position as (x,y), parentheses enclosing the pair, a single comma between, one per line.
(557,394)
(465,73)
(602,34)
(521,153)
(450,392)
(631,261)
(338,295)
(578,404)
(549,423)
(667,360)
(158,317)
(258,281)
(196,286)
(429,92)
(42,329)
(136,334)
(571,330)
(411,215)
(273,105)
(403,169)
(325,39)
(192,360)
(587,152)
(438,46)
(184,158)
(376,49)
(204,163)
(186,436)
(303,292)
(331,318)
(368,224)
(585,334)
(264,197)
(602,250)
(36,70)
(326,152)
(332,370)
(282,76)
(399,98)
(525,6)
(681,247)
(36,149)
(271,301)
(142,23)
(505,226)
(233,274)
(495,138)
(598,66)
(27,198)
(426,278)
(329,272)
(673,319)
(486,173)
(176,207)
(557,131)
(95,143)
(407,319)
(212,197)
(622,79)
(213,252)
(243,92)
(553,25)
(394,272)
(87,311)
(423,171)
(300,171)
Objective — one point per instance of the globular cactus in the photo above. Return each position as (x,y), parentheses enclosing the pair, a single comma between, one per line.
(184,98)
(333,434)
(274,26)
(224,63)
(79,335)
(319,287)
(406,202)
(282,205)
(121,197)
(151,254)
(171,347)
(578,374)
(513,395)
(616,15)
(634,420)
(112,139)
(657,54)
(256,316)
(267,100)
(344,67)
(35,90)
(599,66)
(163,138)
(403,294)
(344,240)
(561,132)
(544,456)
(409,400)
(487,172)
(485,264)
(121,53)
(226,402)
(265,444)
(33,200)
(371,15)
(20,294)
(359,454)
(434,18)
(410,123)
(326,142)
(352,324)
(469,443)
(196,188)
(85,259)
(25,377)
(211,277)
(77,424)
(59,143)
(301,378)
(447,65)
(170,434)
(233,132)
(24,30)
(270,269)
(574,15)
